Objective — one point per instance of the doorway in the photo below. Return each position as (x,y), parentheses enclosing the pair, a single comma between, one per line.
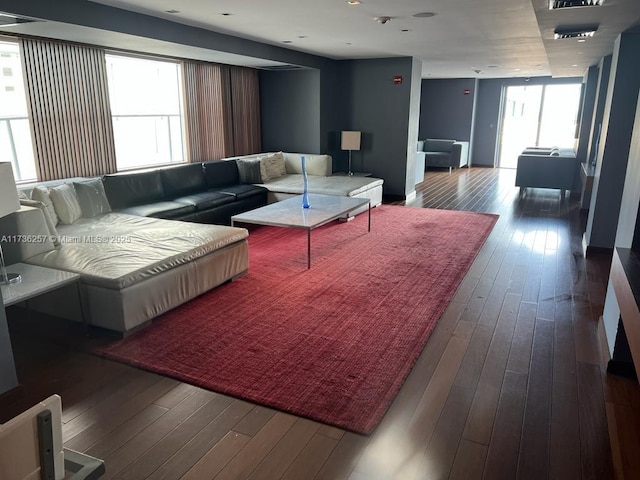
(537,116)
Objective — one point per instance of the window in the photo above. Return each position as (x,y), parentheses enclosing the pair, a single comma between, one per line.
(15,135)
(146,106)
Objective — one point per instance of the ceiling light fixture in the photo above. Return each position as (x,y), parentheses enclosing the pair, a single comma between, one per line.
(558,4)
(287,41)
(172,11)
(354,2)
(382,20)
(561,33)
(226,14)
(424,15)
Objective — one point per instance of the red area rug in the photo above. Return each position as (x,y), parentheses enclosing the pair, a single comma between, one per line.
(333,343)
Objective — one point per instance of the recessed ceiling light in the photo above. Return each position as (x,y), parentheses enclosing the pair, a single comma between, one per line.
(561,33)
(226,14)
(354,2)
(405,30)
(287,41)
(582,40)
(302,36)
(574,65)
(172,11)
(493,66)
(424,15)
(348,43)
(557,4)
(517,69)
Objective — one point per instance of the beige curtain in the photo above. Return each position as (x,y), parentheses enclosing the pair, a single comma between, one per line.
(69,109)
(245,100)
(208,111)
(222,106)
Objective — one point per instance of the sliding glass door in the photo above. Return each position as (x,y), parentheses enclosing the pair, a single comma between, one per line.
(537,116)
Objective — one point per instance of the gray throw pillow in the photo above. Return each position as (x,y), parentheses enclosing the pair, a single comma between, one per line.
(249,170)
(92,198)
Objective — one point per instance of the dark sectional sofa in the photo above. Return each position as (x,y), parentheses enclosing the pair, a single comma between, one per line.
(208,192)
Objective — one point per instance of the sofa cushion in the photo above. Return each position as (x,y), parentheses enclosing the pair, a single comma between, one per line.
(65,202)
(438,145)
(251,170)
(182,180)
(160,210)
(130,189)
(206,200)
(92,198)
(221,173)
(274,166)
(41,194)
(244,191)
(53,231)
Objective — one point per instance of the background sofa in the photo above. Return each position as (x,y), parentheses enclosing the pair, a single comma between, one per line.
(321,181)
(445,153)
(548,168)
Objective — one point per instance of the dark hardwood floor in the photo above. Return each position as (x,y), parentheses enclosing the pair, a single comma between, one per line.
(510,385)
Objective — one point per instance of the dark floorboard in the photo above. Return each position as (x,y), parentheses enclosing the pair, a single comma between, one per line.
(510,384)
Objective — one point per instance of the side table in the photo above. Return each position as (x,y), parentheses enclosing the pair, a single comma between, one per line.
(37,281)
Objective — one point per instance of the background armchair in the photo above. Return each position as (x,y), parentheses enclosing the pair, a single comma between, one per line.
(445,153)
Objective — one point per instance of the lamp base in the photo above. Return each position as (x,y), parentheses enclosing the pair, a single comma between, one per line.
(11,278)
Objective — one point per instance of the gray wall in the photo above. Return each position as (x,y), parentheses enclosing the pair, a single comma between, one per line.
(381,110)
(8,378)
(290,111)
(613,151)
(589,91)
(488,113)
(604,70)
(445,110)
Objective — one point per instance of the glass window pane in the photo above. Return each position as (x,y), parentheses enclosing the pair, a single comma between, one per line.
(559,115)
(15,135)
(146,105)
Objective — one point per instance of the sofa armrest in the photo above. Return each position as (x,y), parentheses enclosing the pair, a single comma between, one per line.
(24,234)
(460,153)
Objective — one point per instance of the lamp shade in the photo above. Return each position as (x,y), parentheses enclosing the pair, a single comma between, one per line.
(9,200)
(350,140)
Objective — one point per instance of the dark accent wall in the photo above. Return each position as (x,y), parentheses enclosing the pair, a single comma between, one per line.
(589,91)
(381,110)
(487,122)
(613,150)
(604,71)
(445,110)
(290,111)
(8,379)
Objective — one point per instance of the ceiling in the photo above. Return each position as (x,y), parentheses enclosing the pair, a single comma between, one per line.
(465,38)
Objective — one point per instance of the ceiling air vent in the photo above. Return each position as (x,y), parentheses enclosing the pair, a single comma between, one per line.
(575,32)
(8,20)
(558,4)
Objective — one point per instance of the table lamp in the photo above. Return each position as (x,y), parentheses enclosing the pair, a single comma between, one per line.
(350,141)
(9,203)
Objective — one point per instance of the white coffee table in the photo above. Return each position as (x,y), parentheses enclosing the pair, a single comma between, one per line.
(290,214)
(36,281)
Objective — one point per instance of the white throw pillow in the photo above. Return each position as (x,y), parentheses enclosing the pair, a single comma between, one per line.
(65,202)
(41,194)
(274,165)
